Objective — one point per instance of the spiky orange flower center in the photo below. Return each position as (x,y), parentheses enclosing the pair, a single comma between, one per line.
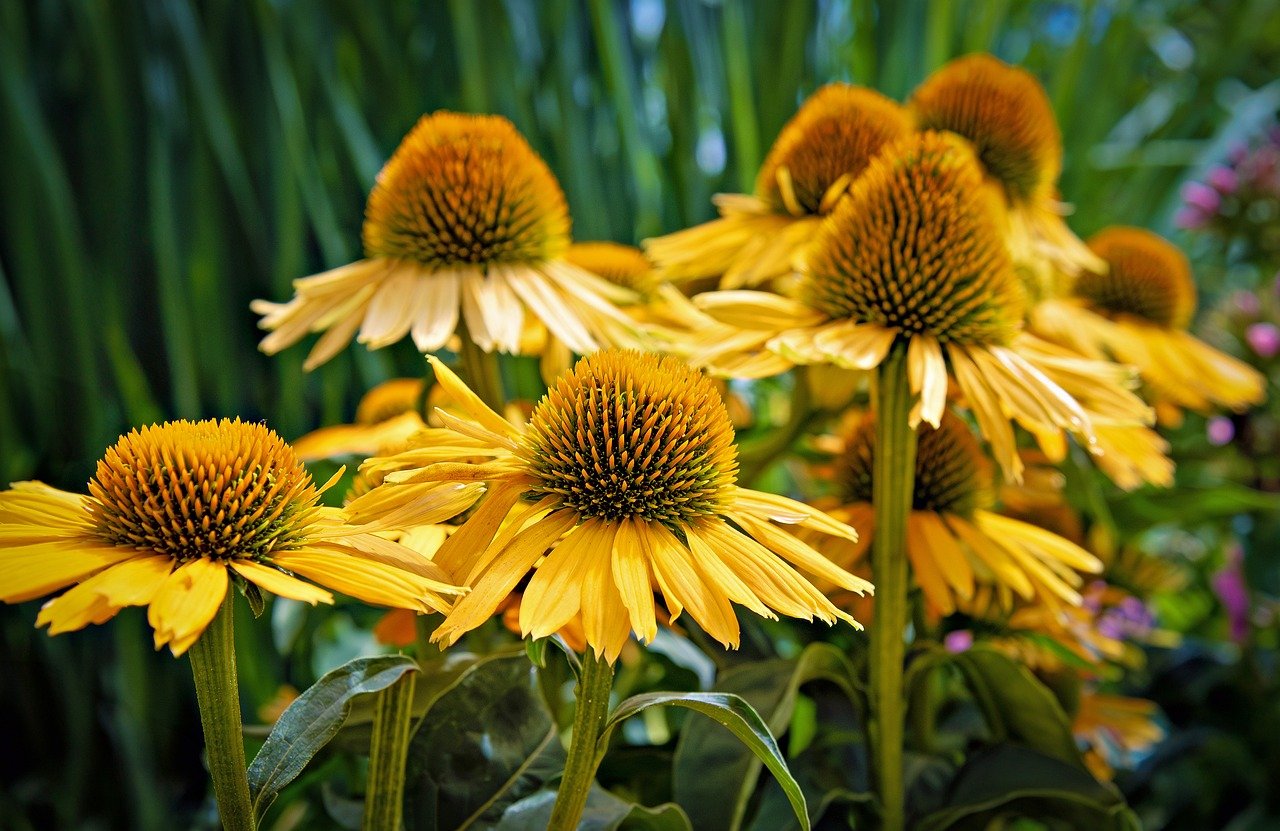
(1004,111)
(952,474)
(622,265)
(625,434)
(466,190)
(832,137)
(915,245)
(217,489)
(1147,277)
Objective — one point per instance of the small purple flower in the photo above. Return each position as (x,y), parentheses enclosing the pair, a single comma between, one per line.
(958,641)
(1231,589)
(1223,180)
(1199,195)
(1190,218)
(1263,339)
(1220,431)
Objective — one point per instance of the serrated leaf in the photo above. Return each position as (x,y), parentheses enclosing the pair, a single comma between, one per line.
(313,719)
(738,716)
(714,775)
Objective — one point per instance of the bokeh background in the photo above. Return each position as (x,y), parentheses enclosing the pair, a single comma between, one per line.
(162,164)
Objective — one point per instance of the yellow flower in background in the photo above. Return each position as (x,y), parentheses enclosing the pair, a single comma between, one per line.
(1006,115)
(913,251)
(1113,729)
(824,146)
(175,512)
(466,226)
(959,547)
(1137,310)
(623,481)
(388,414)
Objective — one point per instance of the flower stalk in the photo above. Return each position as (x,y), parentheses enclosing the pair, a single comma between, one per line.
(592,693)
(893,481)
(388,750)
(213,665)
(481,371)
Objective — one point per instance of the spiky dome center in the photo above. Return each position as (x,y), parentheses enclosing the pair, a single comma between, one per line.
(466,190)
(952,474)
(220,489)
(627,434)
(915,245)
(834,134)
(1004,111)
(1147,277)
(622,265)
(390,399)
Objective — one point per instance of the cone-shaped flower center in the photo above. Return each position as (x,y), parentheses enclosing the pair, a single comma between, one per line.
(832,137)
(466,190)
(218,489)
(622,265)
(1004,112)
(1147,277)
(625,434)
(952,474)
(915,245)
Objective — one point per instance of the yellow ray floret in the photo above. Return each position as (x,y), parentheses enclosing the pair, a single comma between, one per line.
(819,152)
(466,224)
(621,485)
(174,513)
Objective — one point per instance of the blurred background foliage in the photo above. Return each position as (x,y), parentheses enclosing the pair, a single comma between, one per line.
(162,164)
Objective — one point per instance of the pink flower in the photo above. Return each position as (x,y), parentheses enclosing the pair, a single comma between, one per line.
(1220,431)
(1198,195)
(1263,339)
(1229,585)
(1223,180)
(958,641)
(1190,218)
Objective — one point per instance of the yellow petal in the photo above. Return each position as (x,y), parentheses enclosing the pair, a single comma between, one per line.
(633,578)
(130,583)
(186,602)
(367,580)
(279,583)
(470,403)
(31,571)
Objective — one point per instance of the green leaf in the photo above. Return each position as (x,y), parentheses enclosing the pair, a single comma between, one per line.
(733,712)
(487,740)
(604,812)
(1018,707)
(313,719)
(714,775)
(1010,781)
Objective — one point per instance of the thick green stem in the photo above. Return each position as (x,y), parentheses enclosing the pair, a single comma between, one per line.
(213,663)
(893,481)
(580,769)
(481,371)
(388,749)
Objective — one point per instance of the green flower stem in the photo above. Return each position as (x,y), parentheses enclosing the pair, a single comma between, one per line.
(892,484)
(426,627)
(481,371)
(213,663)
(388,749)
(580,770)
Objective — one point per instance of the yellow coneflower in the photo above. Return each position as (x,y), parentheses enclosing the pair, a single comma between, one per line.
(1136,308)
(913,253)
(622,481)
(465,223)
(825,145)
(957,545)
(1004,112)
(178,511)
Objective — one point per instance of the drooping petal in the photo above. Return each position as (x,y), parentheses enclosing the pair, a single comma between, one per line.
(186,602)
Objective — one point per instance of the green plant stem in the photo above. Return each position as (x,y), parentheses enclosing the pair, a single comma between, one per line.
(213,664)
(388,749)
(756,456)
(580,770)
(893,481)
(426,627)
(481,371)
